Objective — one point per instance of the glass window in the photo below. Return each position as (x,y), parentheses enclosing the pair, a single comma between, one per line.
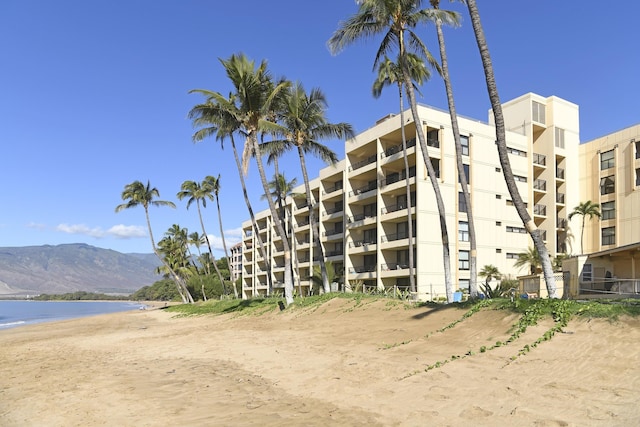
(432,138)
(436,166)
(638,177)
(538,112)
(609,210)
(462,206)
(463,260)
(463,231)
(609,236)
(466,174)
(637,145)
(607,185)
(463,284)
(607,160)
(519,178)
(464,141)
(587,273)
(559,138)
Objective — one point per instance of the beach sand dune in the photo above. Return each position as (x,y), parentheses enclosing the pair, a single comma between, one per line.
(341,363)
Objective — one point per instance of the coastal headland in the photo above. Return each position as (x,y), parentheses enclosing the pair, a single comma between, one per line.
(344,362)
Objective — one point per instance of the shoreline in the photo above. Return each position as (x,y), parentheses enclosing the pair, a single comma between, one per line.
(339,364)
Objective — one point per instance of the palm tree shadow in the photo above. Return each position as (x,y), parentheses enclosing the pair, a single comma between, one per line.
(432,308)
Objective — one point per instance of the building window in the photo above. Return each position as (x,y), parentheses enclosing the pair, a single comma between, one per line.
(512,255)
(498,250)
(638,177)
(637,145)
(464,141)
(462,206)
(559,138)
(463,231)
(607,185)
(499,223)
(516,152)
(498,170)
(463,284)
(466,174)
(463,260)
(587,273)
(436,166)
(609,236)
(519,178)
(609,210)
(607,160)
(498,196)
(521,230)
(538,112)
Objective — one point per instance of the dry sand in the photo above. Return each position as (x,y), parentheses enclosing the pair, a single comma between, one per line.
(337,364)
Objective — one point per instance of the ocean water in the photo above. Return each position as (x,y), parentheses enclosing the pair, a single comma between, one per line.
(20,313)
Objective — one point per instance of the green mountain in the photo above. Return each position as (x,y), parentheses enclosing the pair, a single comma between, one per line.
(33,270)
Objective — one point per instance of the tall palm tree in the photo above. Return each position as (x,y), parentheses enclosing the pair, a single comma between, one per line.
(397,20)
(501,143)
(199,194)
(212,185)
(585,209)
(444,64)
(256,93)
(137,194)
(304,118)
(215,117)
(389,72)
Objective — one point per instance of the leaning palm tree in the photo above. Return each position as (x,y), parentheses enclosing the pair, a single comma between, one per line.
(212,184)
(444,63)
(256,93)
(304,118)
(215,117)
(137,194)
(585,209)
(199,193)
(501,143)
(397,19)
(389,72)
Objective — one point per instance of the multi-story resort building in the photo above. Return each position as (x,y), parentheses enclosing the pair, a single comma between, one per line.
(235,264)
(361,201)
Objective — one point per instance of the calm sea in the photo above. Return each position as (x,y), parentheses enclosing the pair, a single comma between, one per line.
(19,313)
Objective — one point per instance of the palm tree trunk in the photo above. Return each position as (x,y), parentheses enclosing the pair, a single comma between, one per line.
(256,230)
(502,150)
(408,84)
(412,279)
(315,231)
(582,237)
(185,295)
(473,287)
(288,283)
(213,258)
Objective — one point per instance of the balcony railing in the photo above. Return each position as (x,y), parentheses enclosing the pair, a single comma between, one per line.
(540,184)
(540,210)
(362,269)
(397,148)
(333,210)
(561,223)
(359,243)
(433,142)
(559,173)
(330,233)
(396,207)
(362,163)
(303,222)
(361,216)
(394,236)
(336,252)
(393,266)
(395,177)
(539,159)
(369,187)
(336,187)
(560,198)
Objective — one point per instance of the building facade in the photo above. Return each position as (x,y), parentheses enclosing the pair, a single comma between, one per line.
(361,202)
(235,263)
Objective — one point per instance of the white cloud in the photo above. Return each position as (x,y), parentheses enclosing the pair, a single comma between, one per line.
(36,225)
(96,232)
(122,231)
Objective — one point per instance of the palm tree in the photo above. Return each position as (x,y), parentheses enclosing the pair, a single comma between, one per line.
(304,118)
(215,117)
(397,20)
(585,209)
(501,143)
(199,193)
(137,194)
(530,258)
(247,112)
(389,72)
(489,272)
(444,63)
(212,186)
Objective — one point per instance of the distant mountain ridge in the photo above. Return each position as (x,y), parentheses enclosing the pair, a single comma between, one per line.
(33,270)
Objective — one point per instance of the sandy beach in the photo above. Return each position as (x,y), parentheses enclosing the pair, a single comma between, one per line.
(341,363)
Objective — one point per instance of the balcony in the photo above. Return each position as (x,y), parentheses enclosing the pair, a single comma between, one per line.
(336,187)
(336,252)
(331,233)
(539,159)
(302,222)
(364,189)
(561,223)
(395,177)
(559,173)
(396,207)
(540,210)
(333,210)
(560,198)
(397,148)
(360,243)
(359,217)
(362,163)
(433,142)
(394,266)
(393,237)
(540,185)
(362,269)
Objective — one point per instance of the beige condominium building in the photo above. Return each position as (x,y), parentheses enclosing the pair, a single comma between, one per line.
(361,201)
(609,176)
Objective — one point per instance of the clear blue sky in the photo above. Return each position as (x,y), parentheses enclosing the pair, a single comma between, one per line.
(93,95)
